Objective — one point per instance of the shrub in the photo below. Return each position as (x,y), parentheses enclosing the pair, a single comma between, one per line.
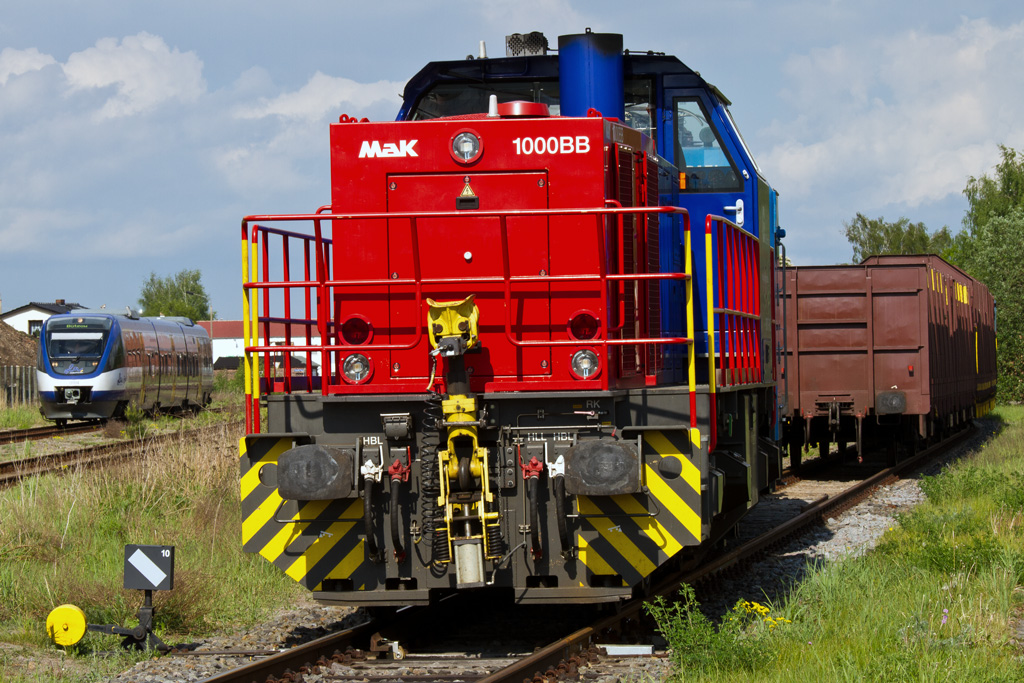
(741,643)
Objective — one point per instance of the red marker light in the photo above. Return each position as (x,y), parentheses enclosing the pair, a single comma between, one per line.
(583,325)
(356,330)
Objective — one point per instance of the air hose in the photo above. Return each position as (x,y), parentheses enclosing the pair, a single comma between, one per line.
(396,536)
(563,522)
(371,540)
(535,533)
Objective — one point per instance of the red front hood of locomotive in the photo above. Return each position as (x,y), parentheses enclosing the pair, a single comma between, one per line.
(461,248)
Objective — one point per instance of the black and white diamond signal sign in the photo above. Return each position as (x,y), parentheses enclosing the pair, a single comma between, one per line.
(149,567)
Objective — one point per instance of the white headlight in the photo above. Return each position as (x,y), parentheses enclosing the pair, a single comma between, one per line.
(356,368)
(585,364)
(466,146)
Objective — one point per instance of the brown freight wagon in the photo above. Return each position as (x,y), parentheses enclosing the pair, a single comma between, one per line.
(898,349)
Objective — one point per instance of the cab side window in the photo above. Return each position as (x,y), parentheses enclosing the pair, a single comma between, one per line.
(703,161)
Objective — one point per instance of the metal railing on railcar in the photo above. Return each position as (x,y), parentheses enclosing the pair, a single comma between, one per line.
(733,264)
(319,291)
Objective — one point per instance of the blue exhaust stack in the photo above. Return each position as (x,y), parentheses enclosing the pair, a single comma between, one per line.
(590,74)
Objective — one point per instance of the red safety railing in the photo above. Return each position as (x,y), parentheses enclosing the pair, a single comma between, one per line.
(734,309)
(737,303)
(318,289)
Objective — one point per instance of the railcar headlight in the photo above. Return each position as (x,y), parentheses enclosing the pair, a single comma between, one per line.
(357,368)
(585,364)
(466,147)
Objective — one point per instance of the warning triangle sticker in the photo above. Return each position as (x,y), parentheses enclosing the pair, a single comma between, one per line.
(467,191)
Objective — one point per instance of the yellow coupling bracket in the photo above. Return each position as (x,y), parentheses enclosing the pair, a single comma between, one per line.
(453,319)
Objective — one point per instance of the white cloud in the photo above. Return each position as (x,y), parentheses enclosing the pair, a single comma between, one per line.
(324,95)
(143,70)
(16,62)
(903,119)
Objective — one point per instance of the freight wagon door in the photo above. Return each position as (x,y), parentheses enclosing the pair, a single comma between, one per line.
(464,248)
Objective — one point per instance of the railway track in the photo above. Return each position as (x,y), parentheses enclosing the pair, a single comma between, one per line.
(13,471)
(9,436)
(387,650)
(48,431)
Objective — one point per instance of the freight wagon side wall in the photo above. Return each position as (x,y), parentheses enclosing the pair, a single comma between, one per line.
(984,348)
(952,323)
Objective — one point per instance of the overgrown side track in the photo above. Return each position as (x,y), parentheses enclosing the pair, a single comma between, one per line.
(13,471)
(48,431)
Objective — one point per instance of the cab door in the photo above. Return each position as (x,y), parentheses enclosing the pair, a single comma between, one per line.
(716,174)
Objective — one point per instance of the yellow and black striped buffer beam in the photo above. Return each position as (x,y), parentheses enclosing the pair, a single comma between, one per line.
(631,535)
(309,541)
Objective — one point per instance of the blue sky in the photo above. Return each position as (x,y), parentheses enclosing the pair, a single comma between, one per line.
(135,134)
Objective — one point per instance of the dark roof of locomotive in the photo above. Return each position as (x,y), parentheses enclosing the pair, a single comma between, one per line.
(544,67)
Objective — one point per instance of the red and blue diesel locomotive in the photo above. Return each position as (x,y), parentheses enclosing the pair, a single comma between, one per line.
(542,305)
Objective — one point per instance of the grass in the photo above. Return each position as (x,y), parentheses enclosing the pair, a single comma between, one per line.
(940,599)
(20,417)
(62,541)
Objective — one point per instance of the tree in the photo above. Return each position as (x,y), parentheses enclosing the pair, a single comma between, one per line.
(988,248)
(993,197)
(182,294)
(871,236)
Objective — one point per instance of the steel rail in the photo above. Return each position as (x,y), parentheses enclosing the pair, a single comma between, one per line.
(569,653)
(563,652)
(47,431)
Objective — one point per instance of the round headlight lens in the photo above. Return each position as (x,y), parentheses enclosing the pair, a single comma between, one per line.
(466,147)
(585,364)
(356,368)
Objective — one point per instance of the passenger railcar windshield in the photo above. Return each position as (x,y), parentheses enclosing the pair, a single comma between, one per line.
(75,345)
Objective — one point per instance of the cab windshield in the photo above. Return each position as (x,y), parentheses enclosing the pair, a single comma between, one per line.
(75,345)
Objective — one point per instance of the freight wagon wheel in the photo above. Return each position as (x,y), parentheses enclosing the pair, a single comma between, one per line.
(890,453)
(794,455)
(823,449)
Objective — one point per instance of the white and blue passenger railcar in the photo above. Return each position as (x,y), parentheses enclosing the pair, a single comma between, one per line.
(94,364)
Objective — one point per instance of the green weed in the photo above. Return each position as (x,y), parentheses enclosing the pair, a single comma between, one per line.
(741,643)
